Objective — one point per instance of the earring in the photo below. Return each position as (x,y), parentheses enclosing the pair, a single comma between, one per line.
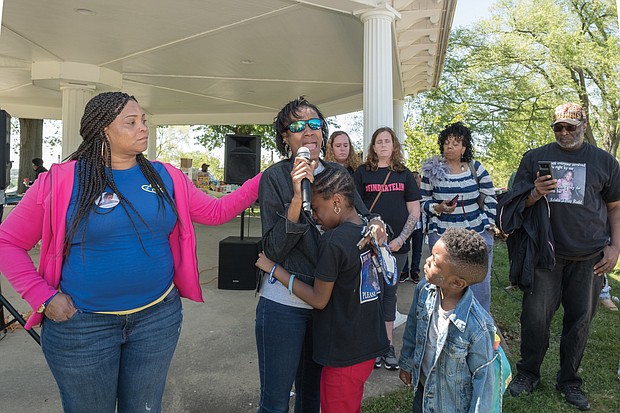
(337,209)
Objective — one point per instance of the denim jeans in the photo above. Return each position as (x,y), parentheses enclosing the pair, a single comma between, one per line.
(284,344)
(574,285)
(99,359)
(482,290)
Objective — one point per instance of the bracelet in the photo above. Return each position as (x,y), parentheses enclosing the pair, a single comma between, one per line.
(290,284)
(535,191)
(434,208)
(271,278)
(400,241)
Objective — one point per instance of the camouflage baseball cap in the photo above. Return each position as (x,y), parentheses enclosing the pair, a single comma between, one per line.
(570,113)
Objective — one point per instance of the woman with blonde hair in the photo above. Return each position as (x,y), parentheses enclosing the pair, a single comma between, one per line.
(388,188)
(341,150)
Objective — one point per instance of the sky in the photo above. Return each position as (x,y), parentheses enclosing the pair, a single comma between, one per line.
(468,11)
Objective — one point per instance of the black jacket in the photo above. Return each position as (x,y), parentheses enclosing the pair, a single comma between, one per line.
(530,239)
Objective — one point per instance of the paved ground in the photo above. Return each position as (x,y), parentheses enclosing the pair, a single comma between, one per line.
(215,366)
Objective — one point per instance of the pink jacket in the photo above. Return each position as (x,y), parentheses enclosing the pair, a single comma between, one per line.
(41,215)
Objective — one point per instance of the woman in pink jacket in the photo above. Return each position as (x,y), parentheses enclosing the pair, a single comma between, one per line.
(118,250)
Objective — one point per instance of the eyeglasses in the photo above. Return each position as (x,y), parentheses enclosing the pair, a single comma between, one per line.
(558,127)
(300,125)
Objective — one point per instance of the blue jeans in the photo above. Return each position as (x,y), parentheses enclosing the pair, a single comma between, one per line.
(284,344)
(482,290)
(574,285)
(101,359)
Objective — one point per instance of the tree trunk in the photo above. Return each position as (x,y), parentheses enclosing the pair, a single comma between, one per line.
(30,146)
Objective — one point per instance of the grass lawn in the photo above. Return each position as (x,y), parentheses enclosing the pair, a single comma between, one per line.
(598,369)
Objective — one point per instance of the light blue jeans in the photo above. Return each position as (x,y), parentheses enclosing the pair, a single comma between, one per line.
(101,359)
(482,290)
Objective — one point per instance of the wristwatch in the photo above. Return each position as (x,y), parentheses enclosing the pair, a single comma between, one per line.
(43,306)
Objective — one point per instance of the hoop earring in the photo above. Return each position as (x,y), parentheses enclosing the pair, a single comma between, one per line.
(337,209)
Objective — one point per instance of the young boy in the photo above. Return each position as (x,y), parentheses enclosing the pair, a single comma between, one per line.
(448,341)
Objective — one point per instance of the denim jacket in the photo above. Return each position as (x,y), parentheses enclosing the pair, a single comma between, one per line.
(462,375)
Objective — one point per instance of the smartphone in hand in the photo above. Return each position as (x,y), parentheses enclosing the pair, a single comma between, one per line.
(453,200)
(544,169)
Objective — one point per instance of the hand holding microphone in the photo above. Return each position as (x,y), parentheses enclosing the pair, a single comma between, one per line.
(306,190)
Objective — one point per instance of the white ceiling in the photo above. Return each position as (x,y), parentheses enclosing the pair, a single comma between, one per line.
(215,61)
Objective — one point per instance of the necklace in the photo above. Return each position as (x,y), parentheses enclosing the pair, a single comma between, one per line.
(462,167)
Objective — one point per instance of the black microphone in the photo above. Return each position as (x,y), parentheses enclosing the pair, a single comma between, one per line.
(306,191)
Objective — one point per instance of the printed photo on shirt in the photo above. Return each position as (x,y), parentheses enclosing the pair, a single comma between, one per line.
(369,279)
(107,200)
(571,179)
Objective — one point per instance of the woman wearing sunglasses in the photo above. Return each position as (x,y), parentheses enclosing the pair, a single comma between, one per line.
(451,186)
(291,239)
(389,189)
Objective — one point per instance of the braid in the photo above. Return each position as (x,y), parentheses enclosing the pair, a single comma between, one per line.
(94,158)
(335,180)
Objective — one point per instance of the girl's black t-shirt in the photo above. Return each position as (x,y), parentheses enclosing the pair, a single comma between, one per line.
(351,328)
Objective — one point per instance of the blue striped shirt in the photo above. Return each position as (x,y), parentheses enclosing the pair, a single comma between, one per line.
(467,213)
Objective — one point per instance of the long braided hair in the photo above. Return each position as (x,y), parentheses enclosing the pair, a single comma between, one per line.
(94,162)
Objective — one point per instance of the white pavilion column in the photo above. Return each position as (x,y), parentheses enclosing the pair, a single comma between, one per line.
(378,109)
(399,120)
(74,99)
(151,152)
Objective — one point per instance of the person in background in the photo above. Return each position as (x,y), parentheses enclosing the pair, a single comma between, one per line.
(291,239)
(37,166)
(348,327)
(605,296)
(451,188)
(110,281)
(574,244)
(448,340)
(415,241)
(388,188)
(204,170)
(341,150)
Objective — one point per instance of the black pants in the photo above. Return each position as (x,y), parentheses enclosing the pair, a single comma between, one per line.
(574,285)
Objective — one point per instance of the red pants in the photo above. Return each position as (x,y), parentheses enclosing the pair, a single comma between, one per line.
(342,388)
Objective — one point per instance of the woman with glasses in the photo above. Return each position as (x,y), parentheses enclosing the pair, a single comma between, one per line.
(341,150)
(291,240)
(451,188)
(389,189)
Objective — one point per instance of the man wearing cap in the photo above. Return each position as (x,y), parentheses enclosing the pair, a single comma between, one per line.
(584,244)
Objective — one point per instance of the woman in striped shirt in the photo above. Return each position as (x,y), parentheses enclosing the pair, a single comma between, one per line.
(451,187)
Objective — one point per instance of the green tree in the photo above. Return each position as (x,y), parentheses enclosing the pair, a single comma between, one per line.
(503,76)
(213,136)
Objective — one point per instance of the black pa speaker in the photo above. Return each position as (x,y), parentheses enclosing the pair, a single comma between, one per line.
(237,269)
(5,149)
(242,159)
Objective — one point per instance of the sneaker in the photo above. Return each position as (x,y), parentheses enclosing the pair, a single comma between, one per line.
(403,277)
(378,362)
(414,277)
(574,396)
(389,358)
(522,384)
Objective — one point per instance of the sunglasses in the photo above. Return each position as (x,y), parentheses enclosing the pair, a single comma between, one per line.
(300,125)
(570,128)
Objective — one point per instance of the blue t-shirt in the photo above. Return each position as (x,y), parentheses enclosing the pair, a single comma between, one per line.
(110,268)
